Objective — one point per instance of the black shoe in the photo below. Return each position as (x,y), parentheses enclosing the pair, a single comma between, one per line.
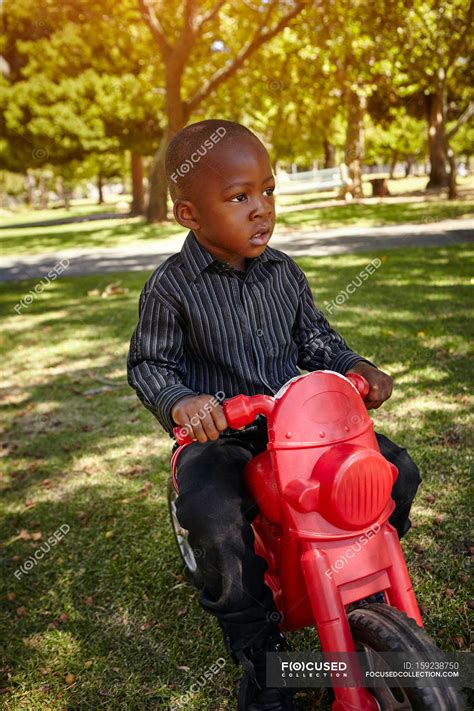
(254,695)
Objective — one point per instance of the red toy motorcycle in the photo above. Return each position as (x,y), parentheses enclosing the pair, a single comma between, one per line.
(324,495)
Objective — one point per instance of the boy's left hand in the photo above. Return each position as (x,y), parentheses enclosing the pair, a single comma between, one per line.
(380,384)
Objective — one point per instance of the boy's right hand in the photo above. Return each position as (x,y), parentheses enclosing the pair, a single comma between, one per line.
(202,419)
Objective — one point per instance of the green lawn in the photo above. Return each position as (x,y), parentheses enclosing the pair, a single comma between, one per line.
(106,619)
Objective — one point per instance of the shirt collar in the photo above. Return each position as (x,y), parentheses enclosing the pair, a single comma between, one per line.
(196,258)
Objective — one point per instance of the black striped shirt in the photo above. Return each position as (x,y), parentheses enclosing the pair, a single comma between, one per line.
(202,329)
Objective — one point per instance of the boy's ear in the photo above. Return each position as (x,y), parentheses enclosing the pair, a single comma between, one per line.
(185,213)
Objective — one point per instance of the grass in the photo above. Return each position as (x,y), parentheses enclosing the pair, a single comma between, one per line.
(377,215)
(106,619)
(34,239)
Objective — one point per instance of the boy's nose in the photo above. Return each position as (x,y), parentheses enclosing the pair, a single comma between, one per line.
(260,207)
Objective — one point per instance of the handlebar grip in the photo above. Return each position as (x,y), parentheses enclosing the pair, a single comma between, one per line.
(182,436)
(360,383)
(242,410)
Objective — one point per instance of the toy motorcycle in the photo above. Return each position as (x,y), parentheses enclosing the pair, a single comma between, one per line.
(323,491)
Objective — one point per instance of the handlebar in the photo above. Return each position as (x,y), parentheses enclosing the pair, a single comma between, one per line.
(242,410)
(360,383)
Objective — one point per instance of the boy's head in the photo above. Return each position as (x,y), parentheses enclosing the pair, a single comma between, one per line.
(221,182)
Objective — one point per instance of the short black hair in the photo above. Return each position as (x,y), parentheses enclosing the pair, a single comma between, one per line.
(189,146)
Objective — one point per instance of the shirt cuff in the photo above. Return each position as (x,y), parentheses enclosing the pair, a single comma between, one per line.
(167,399)
(344,361)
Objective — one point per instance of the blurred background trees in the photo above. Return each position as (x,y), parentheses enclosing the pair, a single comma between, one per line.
(97,89)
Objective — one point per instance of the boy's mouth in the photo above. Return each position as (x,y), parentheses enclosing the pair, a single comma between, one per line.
(261,237)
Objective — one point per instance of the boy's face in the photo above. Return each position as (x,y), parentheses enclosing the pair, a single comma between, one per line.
(232,209)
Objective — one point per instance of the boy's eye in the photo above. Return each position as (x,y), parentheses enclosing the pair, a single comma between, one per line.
(269,191)
(239,198)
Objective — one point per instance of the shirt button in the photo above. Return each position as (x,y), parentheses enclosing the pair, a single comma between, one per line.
(259,332)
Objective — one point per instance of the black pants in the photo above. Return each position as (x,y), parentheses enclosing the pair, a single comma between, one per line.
(214,506)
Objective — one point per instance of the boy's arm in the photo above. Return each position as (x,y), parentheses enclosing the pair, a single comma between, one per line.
(322,348)
(155,358)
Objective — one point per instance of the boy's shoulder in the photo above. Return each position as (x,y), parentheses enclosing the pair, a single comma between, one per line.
(163,272)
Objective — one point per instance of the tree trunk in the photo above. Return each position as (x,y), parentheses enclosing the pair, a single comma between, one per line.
(393,164)
(437,140)
(408,166)
(30,188)
(354,151)
(453,190)
(44,192)
(138,194)
(158,192)
(100,188)
(329,154)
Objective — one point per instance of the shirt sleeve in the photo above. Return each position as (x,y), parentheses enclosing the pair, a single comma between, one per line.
(155,364)
(319,346)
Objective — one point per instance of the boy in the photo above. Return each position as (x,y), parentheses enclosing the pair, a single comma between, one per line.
(230,315)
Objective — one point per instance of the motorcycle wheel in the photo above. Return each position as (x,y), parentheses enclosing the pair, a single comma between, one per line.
(382,628)
(181,537)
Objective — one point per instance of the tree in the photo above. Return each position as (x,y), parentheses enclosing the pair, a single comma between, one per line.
(356,64)
(193,39)
(435,40)
(77,82)
(399,137)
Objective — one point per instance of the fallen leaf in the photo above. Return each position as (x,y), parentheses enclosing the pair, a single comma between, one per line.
(182,611)
(108,534)
(36,536)
(69,678)
(459,642)
(11,596)
(89,600)
(449,592)
(470,604)
(183,668)
(46,483)
(64,617)
(88,664)
(418,548)
(430,499)
(137,469)
(20,611)
(438,520)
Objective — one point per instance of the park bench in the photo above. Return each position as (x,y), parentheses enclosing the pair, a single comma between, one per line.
(312,180)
